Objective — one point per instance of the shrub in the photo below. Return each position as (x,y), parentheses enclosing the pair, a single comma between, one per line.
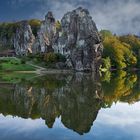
(35,25)
(60,57)
(54,57)
(50,57)
(58,25)
(106,64)
(15,61)
(39,57)
(23,61)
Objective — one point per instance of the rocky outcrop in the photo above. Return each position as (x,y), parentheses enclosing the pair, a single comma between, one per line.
(79,41)
(24,39)
(45,35)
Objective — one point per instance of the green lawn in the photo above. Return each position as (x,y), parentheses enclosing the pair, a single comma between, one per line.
(13,67)
(13,77)
(14,64)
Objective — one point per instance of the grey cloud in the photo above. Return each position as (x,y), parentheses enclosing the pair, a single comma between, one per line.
(119,16)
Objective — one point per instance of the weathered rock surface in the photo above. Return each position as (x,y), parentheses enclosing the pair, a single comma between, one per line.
(45,35)
(24,39)
(79,41)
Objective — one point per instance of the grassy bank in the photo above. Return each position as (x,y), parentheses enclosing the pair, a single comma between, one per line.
(14,77)
(14,64)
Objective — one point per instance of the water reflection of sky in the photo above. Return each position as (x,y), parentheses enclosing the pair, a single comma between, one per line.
(120,122)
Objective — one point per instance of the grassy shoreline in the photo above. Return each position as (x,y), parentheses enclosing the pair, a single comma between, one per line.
(14,64)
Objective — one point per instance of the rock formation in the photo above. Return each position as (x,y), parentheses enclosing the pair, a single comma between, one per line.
(24,39)
(79,41)
(45,35)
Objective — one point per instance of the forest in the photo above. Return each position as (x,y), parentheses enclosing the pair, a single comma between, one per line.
(120,52)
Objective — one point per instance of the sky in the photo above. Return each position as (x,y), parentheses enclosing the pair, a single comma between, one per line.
(120,122)
(119,16)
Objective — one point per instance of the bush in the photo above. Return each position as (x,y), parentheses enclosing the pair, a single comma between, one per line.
(15,61)
(35,25)
(106,63)
(105,33)
(60,57)
(58,25)
(39,57)
(52,58)
(23,61)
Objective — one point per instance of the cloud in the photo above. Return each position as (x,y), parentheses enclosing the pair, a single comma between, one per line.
(128,115)
(119,16)
(118,122)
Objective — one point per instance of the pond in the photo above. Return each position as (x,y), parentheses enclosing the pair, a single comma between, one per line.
(70,106)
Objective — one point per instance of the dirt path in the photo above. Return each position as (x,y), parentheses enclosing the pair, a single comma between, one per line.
(41,70)
(36,66)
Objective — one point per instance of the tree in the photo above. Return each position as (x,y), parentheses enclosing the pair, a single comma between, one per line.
(120,53)
(106,33)
(35,25)
(106,63)
(134,43)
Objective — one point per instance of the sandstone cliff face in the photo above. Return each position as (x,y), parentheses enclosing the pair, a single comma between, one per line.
(24,39)
(79,41)
(45,35)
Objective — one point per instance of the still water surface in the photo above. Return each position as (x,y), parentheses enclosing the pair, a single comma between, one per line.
(70,107)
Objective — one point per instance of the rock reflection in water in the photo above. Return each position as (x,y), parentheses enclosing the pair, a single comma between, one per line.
(76,98)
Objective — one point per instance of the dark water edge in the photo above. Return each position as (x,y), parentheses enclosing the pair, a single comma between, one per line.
(70,106)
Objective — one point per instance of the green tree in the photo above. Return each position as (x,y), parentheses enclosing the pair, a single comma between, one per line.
(120,53)
(134,43)
(106,64)
(35,25)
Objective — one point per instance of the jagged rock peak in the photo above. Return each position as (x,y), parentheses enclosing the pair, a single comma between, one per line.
(80,10)
(49,17)
(79,41)
(46,34)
